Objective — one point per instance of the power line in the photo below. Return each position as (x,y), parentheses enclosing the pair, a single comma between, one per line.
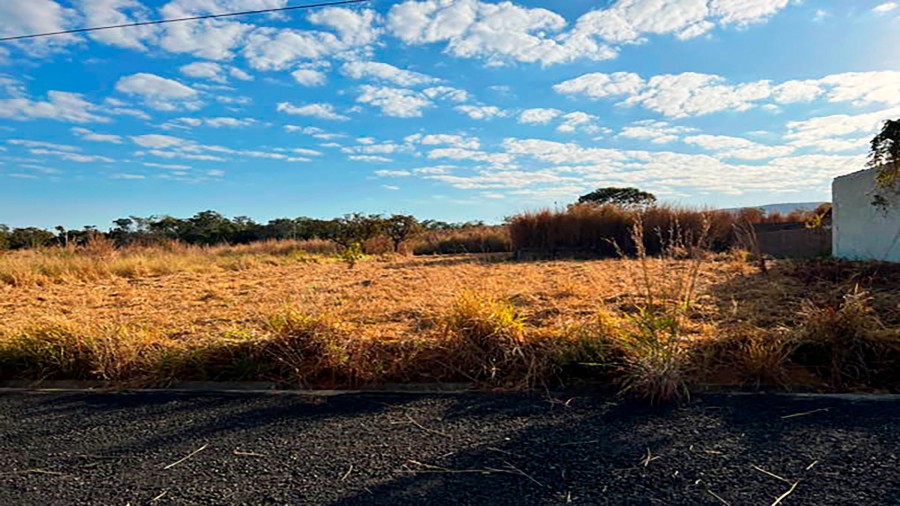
(179,20)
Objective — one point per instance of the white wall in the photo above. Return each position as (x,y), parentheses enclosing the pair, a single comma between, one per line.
(862,231)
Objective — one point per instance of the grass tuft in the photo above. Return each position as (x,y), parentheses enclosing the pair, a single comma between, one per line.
(845,342)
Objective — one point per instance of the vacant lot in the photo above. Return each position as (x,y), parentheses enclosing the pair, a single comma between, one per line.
(274,312)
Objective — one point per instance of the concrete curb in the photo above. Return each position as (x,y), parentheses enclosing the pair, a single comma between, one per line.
(213,387)
(266,388)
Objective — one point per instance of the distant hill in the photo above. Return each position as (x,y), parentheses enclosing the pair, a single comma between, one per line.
(785,208)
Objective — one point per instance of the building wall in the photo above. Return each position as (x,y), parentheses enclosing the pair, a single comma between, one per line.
(794,242)
(862,231)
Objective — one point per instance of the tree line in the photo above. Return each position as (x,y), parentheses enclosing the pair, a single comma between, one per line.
(209,228)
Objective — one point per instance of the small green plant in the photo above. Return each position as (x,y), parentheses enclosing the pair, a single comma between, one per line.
(352,254)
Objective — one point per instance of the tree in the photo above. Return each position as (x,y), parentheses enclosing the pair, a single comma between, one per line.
(357,228)
(4,237)
(884,157)
(30,238)
(624,197)
(400,228)
(62,235)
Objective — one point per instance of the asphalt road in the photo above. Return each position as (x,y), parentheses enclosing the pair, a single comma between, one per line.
(167,448)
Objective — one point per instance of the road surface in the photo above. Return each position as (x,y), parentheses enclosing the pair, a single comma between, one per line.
(174,448)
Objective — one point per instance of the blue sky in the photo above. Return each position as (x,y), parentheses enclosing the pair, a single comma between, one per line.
(446,109)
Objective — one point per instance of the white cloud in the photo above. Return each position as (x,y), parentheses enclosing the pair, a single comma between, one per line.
(316,132)
(37,16)
(118,107)
(496,32)
(505,31)
(455,140)
(839,132)
(397,102)
(435,169)
(72,157)
(273,49)
(320,110)
(797,91)
(693,94)
(446,93)
(743,12)
(210,39)
(88,135)
(215,122)
(169,166)
(494,159)
(577,120)
(369,158)
(41,144)
(657,132)
(373,149)
(539,116)
(302,151)
(481,111)
(158,92)
(180,154)
(679,173)
(11,87)
(158,141)
(354,27)
(119,12)
(885,7)
(738,148)
(59,106)
(864,88)
(239,74)
(598,85)
(205,70)
(309,77)
(385,72)
(392,173)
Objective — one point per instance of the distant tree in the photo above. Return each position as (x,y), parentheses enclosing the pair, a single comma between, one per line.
(884,157)
(30,237)
(399,228)
(121,234)
(167,227)
(62,235)
(357,228)
(625,197)
(4,237)
(208,227)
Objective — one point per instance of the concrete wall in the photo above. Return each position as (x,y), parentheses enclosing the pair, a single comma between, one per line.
(793,240)
(862,231)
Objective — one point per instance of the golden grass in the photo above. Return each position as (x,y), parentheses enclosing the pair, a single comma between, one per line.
(276,312)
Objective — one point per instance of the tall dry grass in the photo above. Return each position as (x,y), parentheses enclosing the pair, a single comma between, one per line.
(100,259)
(485,239)
(606,230)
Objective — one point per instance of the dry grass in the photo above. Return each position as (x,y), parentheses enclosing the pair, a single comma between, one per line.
(99,260)
(467,240)
(606,230)
(276,312)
